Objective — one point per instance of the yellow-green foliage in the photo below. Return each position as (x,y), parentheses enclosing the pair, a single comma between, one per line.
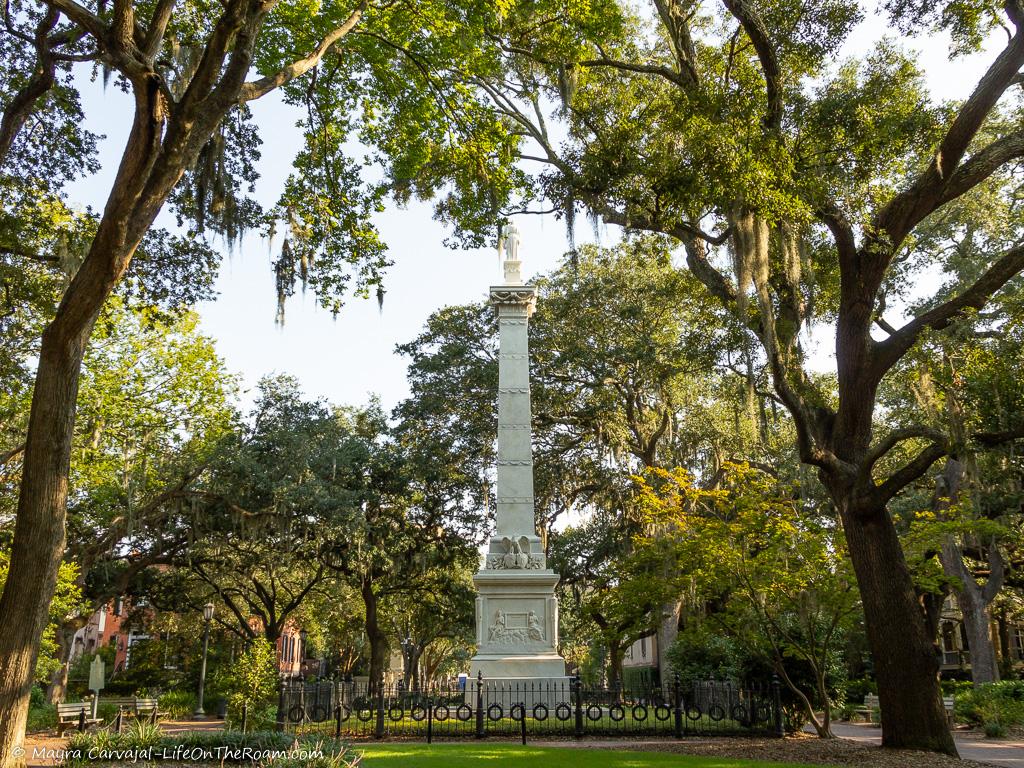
(67,601)
(252,679)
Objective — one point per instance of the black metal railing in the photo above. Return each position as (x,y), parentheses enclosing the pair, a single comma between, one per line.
(535,709)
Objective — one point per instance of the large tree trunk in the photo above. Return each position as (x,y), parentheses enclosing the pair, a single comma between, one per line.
(1005,651)
(375,635)
(973,599)
(38,545)
(977,625)
(668,631)
(615,655)
(57,690)
(39,535)
(905,656)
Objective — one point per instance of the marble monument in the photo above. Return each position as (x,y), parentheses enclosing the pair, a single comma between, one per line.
(516,609)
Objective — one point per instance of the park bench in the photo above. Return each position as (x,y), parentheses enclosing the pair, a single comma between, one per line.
(868,710)
(871,704)
(134,706)
(148,708)
(947,704)
(75,715)
(126,703)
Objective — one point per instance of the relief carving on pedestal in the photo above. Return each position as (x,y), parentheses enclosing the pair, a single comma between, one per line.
(501,632)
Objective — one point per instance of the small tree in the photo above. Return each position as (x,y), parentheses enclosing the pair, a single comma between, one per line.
(252,680)
(783,576)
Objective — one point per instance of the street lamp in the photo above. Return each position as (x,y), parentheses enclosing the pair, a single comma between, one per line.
(199,714)
(408,645)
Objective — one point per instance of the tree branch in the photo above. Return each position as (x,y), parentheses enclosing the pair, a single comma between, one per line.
(908,473)
(896,437)
(83,17)
(983,164)
(263,86)
(12,453)
(677,24)
(909,207)
(157,28)
(43,78)
(889,351)
(752,24)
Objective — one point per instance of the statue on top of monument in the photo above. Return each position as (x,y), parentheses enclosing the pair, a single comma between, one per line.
(508,243)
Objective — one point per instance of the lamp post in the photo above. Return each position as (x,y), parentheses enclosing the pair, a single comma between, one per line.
(303,634)
(199,714)
(408,646)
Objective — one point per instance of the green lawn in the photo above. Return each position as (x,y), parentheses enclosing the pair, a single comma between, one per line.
(472,755)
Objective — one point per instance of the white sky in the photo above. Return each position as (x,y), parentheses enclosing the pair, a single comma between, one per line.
(347,359)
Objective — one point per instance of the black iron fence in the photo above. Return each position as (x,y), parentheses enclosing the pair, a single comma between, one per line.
(556,708)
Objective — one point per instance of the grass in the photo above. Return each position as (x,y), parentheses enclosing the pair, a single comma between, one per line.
(475,755)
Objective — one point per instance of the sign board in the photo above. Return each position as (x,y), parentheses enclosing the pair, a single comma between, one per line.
(97,673)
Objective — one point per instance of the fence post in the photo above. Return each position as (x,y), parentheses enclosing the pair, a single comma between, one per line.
(120,717)
(577,694)
(378,731)
(677,706)
(522,721)
(279,720)
(480,728)
(780,728)
(337,722)
(430,720)
(245,716)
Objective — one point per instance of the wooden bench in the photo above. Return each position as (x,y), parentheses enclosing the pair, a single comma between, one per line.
(871,704)
(149,708)
(124,702)
(76,715)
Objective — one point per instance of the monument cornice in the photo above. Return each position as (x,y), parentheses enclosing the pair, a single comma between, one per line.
(523,297)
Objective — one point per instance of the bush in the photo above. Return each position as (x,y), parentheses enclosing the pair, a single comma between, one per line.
(178,705)
(994,729)
(42,717)
(142,736)
(698,654)
(252,680)
(37,696)
(956,687)
(999,704)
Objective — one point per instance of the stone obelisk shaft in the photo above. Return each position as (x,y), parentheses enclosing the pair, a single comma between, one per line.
(515,457)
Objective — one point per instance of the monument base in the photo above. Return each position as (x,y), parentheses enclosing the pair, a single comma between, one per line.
(517,640)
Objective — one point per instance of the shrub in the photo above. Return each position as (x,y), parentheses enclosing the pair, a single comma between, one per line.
(253,680)
(41,718)
(37,696)
(142,736)
(178,705)
(995,703)
(994,729)
(698,654)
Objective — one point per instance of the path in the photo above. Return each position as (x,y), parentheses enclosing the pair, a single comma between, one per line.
(972,746)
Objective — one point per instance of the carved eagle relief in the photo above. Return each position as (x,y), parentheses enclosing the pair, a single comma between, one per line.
(517,552)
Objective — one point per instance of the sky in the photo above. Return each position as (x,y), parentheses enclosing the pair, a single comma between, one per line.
(348,359)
